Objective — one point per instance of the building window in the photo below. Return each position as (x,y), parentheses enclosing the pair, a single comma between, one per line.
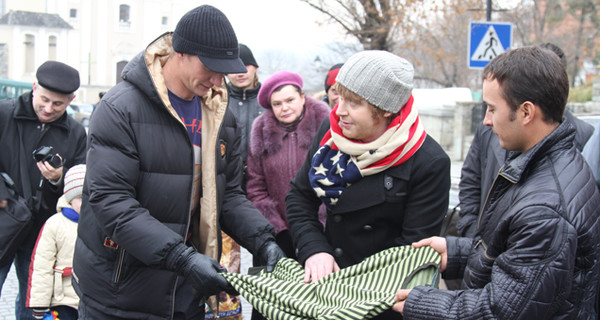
(120,66)
(124,13)
(29,53)
(52,48)
(73,13)
(165,21)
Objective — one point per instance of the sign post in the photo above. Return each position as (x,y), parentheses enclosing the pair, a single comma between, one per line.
(486,41)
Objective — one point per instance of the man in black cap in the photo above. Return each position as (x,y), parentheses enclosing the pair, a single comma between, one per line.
(243,92)
(163,179)
(34,120)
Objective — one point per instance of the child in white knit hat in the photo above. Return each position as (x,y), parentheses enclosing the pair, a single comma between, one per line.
(50,288)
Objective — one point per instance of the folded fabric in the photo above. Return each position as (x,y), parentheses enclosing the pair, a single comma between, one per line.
(361,291)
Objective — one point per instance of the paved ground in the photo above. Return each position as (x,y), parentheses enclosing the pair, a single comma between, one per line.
(9,294)
(9,291)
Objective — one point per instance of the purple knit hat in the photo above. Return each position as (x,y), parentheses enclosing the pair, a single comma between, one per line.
(275,81)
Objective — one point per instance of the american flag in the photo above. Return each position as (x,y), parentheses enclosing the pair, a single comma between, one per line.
(331,173)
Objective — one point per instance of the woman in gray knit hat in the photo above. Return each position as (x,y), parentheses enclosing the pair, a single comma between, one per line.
(384,181)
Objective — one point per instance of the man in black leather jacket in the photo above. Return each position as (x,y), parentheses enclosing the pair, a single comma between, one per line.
(536,251)
(485,157)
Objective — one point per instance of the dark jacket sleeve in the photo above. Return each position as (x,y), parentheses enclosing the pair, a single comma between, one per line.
(583,130)
(428,196)
(530,280)
(470,187)
(239,218)
(80,149)
(458,253)
(302,207)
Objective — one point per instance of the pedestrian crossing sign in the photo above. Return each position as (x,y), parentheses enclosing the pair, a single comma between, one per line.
(486,41)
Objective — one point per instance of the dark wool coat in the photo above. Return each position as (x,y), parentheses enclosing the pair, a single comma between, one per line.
(138,191)
(65,135)
(402,204)
(398,206)
(536,252)
(274,158)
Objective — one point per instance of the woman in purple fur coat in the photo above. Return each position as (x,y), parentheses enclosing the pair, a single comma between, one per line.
(278,145)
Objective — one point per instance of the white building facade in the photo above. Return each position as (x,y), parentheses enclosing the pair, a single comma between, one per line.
(97,37)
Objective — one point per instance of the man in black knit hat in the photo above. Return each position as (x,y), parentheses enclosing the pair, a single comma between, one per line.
(243,92)
(164,179)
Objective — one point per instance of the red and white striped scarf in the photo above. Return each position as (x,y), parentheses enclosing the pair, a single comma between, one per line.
(341,161)
(402,138)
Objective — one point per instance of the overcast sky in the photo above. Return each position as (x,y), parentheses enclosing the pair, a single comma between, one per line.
(267,24)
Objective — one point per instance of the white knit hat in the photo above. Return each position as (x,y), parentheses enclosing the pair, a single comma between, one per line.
(74,182)
(382,78)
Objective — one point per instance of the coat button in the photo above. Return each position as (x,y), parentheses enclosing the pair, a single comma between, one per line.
(240,103)
(368,227)
(337,218)
(338,252)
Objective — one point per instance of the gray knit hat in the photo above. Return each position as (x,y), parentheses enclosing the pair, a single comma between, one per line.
(382,78)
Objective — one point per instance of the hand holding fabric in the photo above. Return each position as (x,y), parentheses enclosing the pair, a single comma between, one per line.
(318,266)
(270,253)
(439,245)
(400,299)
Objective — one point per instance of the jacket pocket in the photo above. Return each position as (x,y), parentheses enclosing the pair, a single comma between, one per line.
(119,266)
(396,190)
(479,268)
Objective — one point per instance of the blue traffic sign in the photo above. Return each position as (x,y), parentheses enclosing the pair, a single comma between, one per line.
(487,40)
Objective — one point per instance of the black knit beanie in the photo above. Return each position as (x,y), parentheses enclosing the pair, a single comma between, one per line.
(206,32)
(247,56)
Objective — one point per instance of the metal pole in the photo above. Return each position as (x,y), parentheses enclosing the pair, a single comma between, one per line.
(488,11)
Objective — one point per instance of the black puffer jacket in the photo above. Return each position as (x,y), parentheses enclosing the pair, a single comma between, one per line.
(536,253)
(138,190)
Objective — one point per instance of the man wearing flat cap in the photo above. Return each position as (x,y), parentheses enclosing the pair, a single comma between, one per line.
(384,180)
(164,180)
(38,119)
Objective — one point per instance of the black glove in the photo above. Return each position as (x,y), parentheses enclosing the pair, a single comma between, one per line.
(201,270)
(269,253)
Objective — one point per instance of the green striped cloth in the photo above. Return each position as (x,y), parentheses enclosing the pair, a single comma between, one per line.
(361,291)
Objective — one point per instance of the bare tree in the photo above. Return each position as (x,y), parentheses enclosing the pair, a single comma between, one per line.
(438,47)
(431,33)
(373,22)
(570,24)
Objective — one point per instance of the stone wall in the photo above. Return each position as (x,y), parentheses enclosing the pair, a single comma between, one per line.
(3,60)
(453,126)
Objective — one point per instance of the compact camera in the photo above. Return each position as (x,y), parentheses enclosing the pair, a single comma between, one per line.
(46,153)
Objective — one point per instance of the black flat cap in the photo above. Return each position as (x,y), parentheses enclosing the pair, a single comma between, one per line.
(58,77)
